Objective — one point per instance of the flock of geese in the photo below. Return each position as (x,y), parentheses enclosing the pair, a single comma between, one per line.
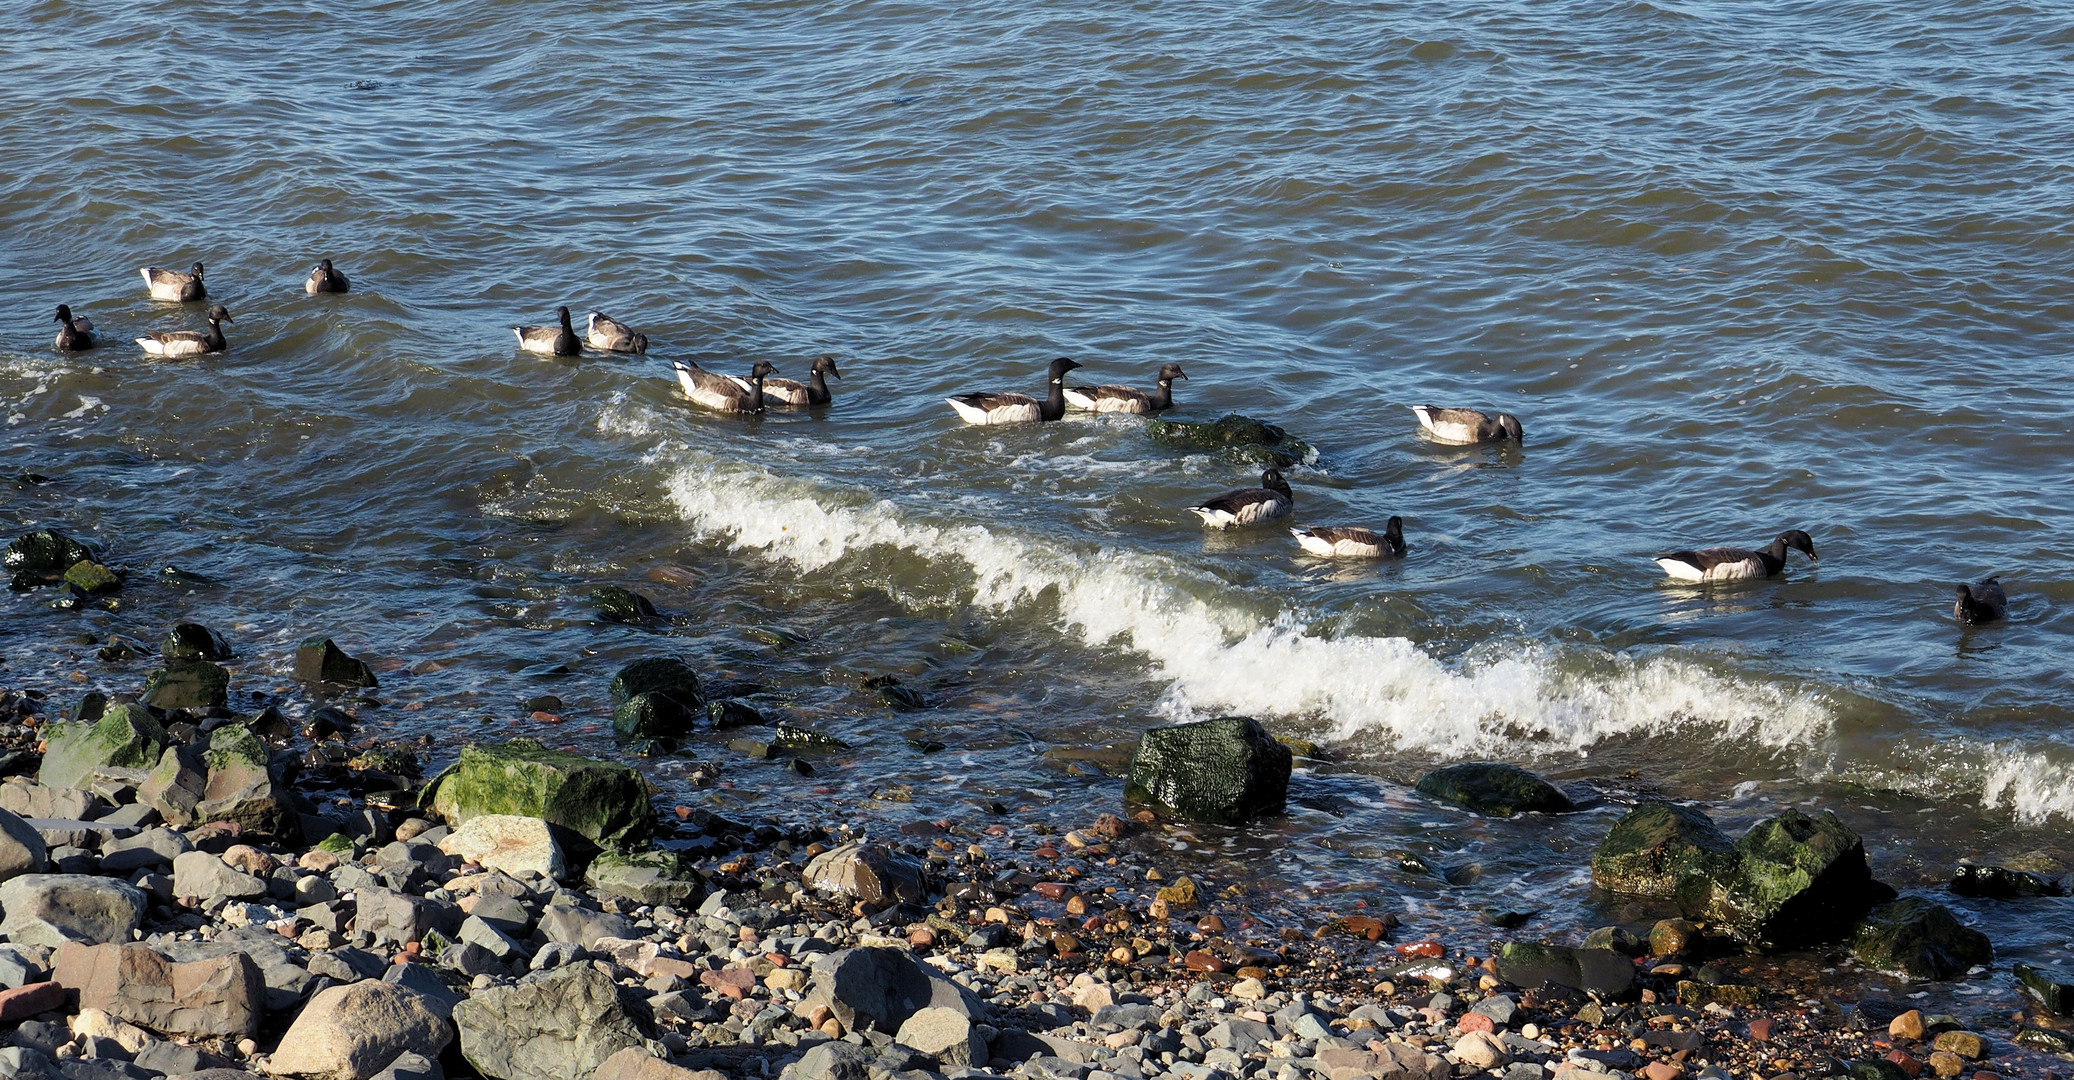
(1980,602)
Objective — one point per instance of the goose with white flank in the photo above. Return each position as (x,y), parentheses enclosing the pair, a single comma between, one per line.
(1350,543)
(1017,408)
(174,285)
(1981,602)
(190,342)
(324,279)
(560,340)
(792,392)
(1735,564)
(1465,427)
(1249,506)
(607,334)
(722,393)
(74,333)
(1124,399)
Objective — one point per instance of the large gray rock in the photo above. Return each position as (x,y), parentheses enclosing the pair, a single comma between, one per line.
(220,997)
(208,878)
(22,850)
(582,926)
(515,845)
(52,909)
(1654,846)
(885,988)
(287,982)
(353,1032)
(866,872)
(175,784)
(559,1026)
(152,847)
(125,737)
(1225,771)
(1794,880)
(399,918)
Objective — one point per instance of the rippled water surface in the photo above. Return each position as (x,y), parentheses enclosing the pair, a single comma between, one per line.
(1739,268)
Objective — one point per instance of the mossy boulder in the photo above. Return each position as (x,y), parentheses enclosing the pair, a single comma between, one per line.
(1654,846)
(38,558)
(603,803)
(319,660)
(1794,881)
(89,577)
(647,877)
(125,737)
(1494,789)
(243,788)
(1243,438)
(193,641)
(657,675)
(623,605)
(654,715)
(188,684)
(1919,938)
(1225,771)
(1602,973)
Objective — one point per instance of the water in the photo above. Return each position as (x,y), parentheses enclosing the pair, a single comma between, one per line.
(1738,268)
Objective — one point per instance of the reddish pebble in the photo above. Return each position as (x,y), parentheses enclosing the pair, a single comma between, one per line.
(1908,1064)
(1662,1070)
(547,718)
(922,938)
(1425,950)
(1363,926)
(412,948)
(1475,1022)
(1202,961)
(777,959)
(1050,890)
(1047,851)
(1210,924)
(997,830)
(684,813)
(1761,1030)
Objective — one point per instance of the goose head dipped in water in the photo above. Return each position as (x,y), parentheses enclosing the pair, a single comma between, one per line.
(607,334)
(1735,564)
(1466,427)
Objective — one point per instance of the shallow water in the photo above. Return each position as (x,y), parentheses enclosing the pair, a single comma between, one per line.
(1739,269)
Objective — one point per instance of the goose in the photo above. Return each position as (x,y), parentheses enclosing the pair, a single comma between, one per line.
(1981,602)
(173,285)
(795,393)
(1463,427)
(74,334)
(550,340)
(1249,506)
(1734,564)
(324,279)
(721,393)
(190,342)
(1352,543)
(607,334)
(1124,399)
(1017,408)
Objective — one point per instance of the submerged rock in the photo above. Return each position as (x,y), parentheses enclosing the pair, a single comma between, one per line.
(188,684)
(2002,883)
(37,558)
(658,714)
(560,1026)
(661,674)
(125,737)
(2051,994)
(193,641)
(1494,789)
(1654,846)
(1795,880)
(623,605)
(89,578)
(865,872)
(318,660)
(1225,771)
(1248,440)
(1919,938)
(604,803)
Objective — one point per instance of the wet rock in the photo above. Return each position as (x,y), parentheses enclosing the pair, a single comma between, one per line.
(52,909)
(559,1026)
(208,878)
(37,558)
(800,737)
(1602,973)
(22,849)
(1225,771)
(661,674)
(1493,789)
(2001,883)
(619,604)
(353,1032)
(1919,938)
(865,872)
(604,803)
(219,997)
(515,845)
(90,578)
(193,641)
(647,877)
(1240,437)
(2050,993)
(1618,939)
(188,684)
(730,713)
(657,714)
(886,988)
(125,737)
(1795,880)
(1656,845)
(243,789)
(318,660)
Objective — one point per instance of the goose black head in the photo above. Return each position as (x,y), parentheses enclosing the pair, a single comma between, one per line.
(1393,534)
(1170,372)
(64,314)
(562,313)
(196,271)
(1800,541)
(218,314)
(763,369)
(1061,366)
(1271,479)
(324,265)
(826,362)
(1509,424)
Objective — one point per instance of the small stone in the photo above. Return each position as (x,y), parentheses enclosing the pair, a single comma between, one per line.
(1963,1043)
(1761,1030)
(1480,1050)
(1908,1025)
(1946,1064)
(1198,960)
(1469,1022)
(1662,1070)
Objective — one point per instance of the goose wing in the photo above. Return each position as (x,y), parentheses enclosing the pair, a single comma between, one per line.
(775,391)
(1108,398)
(711,390)
(1714,563)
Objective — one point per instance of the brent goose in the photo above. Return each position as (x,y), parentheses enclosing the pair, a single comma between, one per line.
(607,334)
(795,393)
(550,340)
(74,334)
(721,393)
(1017,408)
(1982,601)
(1465,426)
(1249,506)
(1352,543)
(324,279)
(1733,564)
(1124,399)
(173,285)
(190,342)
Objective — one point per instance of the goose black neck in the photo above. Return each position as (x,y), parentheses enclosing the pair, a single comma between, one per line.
(215,340)
(1163,398)
(1054,405)
(818,385)
(1774,556)
(756,393)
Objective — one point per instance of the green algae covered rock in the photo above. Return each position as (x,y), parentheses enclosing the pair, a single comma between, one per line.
(37,558)
(604,803)
(1225,771)
(618,604)
(1240,437)
(89,577)
(188,684)
(1920,938)
(1795,880)
(1651,849)
(1494,789)
(647,877)
(243,788)
(125,737)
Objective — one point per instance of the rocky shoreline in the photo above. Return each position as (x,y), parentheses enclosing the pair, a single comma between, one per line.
(190,891)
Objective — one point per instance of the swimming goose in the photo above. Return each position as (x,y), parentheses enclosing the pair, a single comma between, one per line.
(1982,601)
(607,334)
(1124,399)
(795,393)
(1733,564)
(1017,408)
(173,285)
(1249,506)
(324,279)
(1463,427)
(74,334)
(550,340)
(721,393)
(1352,543)
(190,342)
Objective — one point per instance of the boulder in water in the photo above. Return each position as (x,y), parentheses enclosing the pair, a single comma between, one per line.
(88,577)
(657,674)
(1251,441)
(2003,883)
(319,660)
(657,714)
(1654,846)
(188,684)
(604,803)
(1225,771)
(36,559)
(623,605)
(1919,938)
(1494,789)
(193,641)
(1795,880)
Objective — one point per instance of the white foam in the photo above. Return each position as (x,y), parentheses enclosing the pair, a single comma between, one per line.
(1220,656)
(2033,786)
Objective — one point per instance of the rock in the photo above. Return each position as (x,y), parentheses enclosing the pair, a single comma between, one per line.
(422,981)
(22,850)
(1919,938)
(52,909)
(318,660)
(1241,437)
(662,674)
(603,803)
(1794,881)
(1965,1044)
(411,1067)
(515,845)
(865,872)
(1654,846)
(1672,937)
(946,1034)
(2053,995)
(36,557)
(188,684)
(885,988)
(1224,771)
(242,788)
(221,997)
(647,877)
(557,1026)
(208,878)
(657,714)
(619,604)
(352,1032)
(125,737)
(1602,973)
(89,578)
(152,847)
(1494,789)
(1617,939)
(581,926)
(399,918)
(1479,1050)
(730,713)
(2000,883)
(22,1002)
(174,786)
(635,1064)
(193,641)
